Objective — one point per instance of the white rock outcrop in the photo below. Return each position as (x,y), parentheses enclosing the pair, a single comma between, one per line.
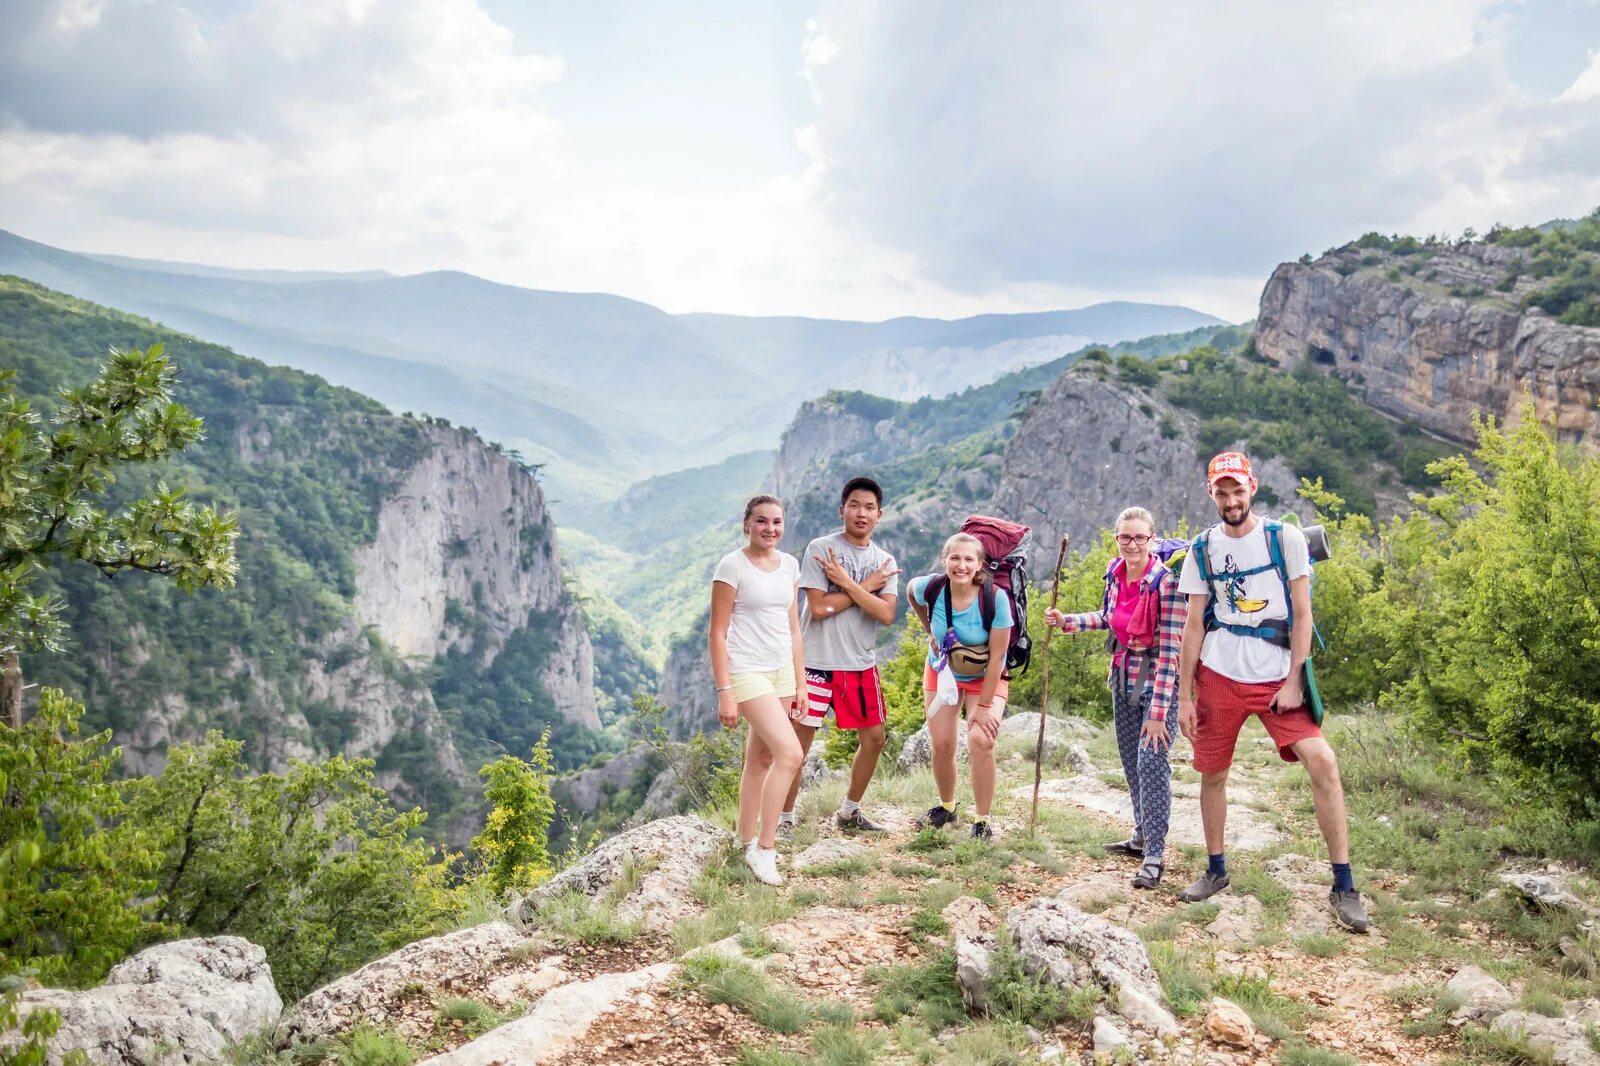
(374,991)
(182,1002)
(1481,994)
(1071,948)
(665,855)
(558,1021)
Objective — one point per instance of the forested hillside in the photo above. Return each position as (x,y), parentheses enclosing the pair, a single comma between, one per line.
(400,594)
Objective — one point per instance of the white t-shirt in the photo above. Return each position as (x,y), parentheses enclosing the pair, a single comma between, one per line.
(1245,601)
(758,631)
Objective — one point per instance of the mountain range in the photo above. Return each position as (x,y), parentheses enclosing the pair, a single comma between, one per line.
(603,390)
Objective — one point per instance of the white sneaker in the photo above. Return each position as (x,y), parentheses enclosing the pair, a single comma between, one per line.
(763,863)
(777,856)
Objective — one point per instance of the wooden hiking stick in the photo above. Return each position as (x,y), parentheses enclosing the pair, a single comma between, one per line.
(1044,686)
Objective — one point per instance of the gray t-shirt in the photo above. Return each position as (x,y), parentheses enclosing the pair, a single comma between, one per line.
(844,641)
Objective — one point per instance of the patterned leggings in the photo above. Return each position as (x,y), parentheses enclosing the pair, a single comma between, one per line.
(1148,772)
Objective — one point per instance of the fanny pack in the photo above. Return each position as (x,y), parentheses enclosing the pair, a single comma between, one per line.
(968,660)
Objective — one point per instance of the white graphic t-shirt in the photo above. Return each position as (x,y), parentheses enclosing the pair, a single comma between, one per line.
(1245,601)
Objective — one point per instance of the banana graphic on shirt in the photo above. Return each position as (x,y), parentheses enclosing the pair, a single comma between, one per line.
(1233,588)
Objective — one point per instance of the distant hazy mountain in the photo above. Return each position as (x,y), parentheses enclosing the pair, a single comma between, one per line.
(604,389)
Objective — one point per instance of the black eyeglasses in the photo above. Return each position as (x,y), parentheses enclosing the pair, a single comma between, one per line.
(1134,538)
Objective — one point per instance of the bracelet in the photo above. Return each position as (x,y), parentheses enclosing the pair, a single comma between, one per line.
(724,688)
(985,706)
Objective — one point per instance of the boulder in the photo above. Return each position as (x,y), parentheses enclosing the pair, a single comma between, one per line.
(1481,995)
(1070,948)
(183,1002)
(557,1022)
(828,851)
(1109,1037)
(668,854)
(1237,919)
(1548,891)
(967,916)
(972,970)
(1564,1040)
(1060,747)
(918,749)
(375,991)
(814,769)
(1227,1023)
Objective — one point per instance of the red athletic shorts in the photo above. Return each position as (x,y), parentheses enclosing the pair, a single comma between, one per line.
(854,696)
(1221,707)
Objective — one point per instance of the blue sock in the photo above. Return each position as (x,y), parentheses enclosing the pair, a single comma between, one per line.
(1217,865)
(1343,879)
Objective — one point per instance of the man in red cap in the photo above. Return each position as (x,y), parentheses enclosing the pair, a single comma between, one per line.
(1245,644)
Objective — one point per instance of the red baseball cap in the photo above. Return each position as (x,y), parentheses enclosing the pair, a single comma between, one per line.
(1235,465)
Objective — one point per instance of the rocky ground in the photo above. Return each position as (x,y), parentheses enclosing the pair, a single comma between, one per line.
(921,946)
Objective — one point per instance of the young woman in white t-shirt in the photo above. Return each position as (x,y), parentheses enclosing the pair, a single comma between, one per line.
(755,658)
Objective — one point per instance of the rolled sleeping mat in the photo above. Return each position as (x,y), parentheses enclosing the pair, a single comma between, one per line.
(1312,696)
(1317,541)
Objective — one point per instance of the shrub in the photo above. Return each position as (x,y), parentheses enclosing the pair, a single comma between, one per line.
(71,882)
(514,844)
(1493,602)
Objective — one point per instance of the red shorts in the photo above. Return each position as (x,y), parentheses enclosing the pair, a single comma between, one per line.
(854,696)
(930,682)
(1221,707)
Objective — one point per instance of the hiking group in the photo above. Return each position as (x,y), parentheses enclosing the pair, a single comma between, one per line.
(1203,635)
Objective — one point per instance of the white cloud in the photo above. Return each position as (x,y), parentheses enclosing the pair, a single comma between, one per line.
(1137,144)
(958,158)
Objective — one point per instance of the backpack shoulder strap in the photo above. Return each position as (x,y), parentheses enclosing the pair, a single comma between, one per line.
(986,608)
(1275,553)
(1198,547)
(939,585)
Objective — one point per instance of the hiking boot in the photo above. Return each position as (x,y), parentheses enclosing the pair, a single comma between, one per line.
(1149,876)
(785,830)
(1349,910)
(937,817)
(855,821)
(1208,885)
(1132,846)
(981,831)
(763,863)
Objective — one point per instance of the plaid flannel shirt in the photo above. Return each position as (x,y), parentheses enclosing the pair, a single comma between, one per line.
(1174,611)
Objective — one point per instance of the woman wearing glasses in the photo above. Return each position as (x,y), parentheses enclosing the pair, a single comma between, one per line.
(1145,613)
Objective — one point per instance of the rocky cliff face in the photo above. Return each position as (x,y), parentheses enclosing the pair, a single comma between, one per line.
(465,552)
(464,555)
(1390,326)
(1091,447)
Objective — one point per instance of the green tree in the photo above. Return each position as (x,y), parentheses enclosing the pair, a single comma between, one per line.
(72,885)
(51,485)
(315,864)
(514,845)
(1348,604)
(1495,607)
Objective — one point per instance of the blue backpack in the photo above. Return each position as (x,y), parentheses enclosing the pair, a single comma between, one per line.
(1275,630)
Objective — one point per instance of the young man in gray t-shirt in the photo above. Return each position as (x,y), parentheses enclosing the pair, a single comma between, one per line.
(850,587)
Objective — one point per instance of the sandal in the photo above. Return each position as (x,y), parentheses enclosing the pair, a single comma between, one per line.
(1132,846)
(1149,875)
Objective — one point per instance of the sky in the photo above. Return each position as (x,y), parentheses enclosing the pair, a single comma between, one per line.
(835,159)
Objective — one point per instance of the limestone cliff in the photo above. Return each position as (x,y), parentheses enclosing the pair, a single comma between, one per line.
(1091,447)
(1431,337)
(465,552)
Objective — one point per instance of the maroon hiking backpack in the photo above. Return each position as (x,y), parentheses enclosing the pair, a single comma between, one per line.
(1006,545)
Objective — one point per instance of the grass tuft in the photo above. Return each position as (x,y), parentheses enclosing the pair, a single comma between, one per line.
(743,987)
(925,992)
